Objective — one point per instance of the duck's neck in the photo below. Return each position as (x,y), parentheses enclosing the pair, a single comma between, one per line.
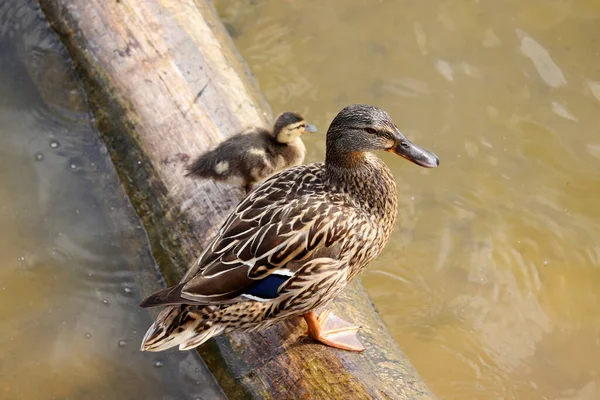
(365,179)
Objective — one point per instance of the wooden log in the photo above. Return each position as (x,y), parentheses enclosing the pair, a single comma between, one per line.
(166,83)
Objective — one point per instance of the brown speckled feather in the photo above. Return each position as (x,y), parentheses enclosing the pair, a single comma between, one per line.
(283,222)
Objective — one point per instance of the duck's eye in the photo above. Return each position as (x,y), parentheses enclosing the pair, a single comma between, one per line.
(372,131)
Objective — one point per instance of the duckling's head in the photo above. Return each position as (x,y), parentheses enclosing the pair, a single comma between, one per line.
(289,125)
(361,128)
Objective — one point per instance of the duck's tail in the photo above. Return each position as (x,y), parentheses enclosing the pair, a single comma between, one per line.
(209,165)
(183,326)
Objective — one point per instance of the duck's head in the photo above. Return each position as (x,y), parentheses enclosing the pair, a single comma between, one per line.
(290,125)
(361,128)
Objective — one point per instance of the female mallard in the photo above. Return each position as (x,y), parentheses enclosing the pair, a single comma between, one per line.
(253,156)
(294,243)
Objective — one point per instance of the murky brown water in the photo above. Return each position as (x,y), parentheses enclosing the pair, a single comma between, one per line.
(73,254)
(491,281)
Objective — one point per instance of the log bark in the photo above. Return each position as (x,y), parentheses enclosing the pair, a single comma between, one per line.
(165,83)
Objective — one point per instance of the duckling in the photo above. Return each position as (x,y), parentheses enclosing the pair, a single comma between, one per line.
(294,242)
(254,155)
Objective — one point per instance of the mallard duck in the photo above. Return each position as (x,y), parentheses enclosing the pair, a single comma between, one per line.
(294,242)
(252,156)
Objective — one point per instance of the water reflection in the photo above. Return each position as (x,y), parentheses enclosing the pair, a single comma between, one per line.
(490,281)
(73,252)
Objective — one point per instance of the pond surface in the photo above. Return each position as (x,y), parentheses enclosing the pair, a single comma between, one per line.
(74,255)
(491,282)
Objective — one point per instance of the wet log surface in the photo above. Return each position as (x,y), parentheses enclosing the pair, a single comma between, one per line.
(165,83)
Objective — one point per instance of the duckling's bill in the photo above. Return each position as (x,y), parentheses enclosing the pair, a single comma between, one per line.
(410,151)
(310,128)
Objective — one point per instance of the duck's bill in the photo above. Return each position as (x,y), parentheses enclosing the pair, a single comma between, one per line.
(310,128)
(405,149)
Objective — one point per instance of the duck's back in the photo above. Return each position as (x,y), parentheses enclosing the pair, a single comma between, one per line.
(294,216)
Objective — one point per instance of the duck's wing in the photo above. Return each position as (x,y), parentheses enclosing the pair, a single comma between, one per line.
(289,218)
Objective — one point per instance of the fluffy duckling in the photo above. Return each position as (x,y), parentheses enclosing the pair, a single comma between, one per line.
(251,157)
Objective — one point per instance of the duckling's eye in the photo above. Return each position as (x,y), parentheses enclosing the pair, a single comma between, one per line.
(371,131)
